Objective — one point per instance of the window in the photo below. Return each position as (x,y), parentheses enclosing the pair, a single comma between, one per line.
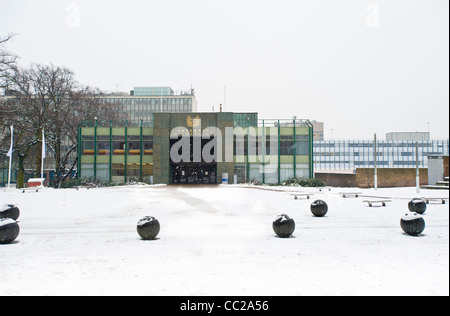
(119,145)
(118,170)
(87,171)
(88,144)
(133,170)
(103,172)
(134,145)
(103,145)
(240,145)
(148,145)
(287,145)
(302,145)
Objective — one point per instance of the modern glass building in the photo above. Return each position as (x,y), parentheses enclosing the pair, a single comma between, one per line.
(353,154)
(197,148)
(143,102)
(152,91)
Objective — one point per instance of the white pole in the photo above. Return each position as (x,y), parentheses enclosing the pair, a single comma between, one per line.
(375,155)
(10,154)
(417,169)
(43,154)
(9,175)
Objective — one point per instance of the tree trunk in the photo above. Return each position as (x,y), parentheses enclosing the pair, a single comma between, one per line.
(58,163)
(21,173)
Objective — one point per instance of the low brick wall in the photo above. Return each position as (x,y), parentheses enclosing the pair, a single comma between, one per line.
(390,177)
(364,178)
(332,179)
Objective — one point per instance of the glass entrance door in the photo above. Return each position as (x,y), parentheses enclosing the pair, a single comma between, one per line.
(194,174)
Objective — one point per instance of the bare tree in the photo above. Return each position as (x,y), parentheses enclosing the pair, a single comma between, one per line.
(46,97)
(7,63)
(86,104)
(25,109)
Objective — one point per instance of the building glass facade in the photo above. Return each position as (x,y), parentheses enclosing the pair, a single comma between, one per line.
(353,154)
(134,108)
(266,152)
(152,91)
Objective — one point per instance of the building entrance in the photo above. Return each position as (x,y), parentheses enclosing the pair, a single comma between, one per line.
(194,173)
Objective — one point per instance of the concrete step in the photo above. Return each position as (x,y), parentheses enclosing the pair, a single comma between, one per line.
(435,187)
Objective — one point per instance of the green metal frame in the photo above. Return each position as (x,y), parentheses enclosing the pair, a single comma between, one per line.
(248,151)
(95,149)
(311,151)
(79,153)
(126,150)
(110,151)
(141,147)
(264,153)
(279,153)
(295,150)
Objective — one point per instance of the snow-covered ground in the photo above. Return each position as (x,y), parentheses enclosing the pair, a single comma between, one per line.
(219,241)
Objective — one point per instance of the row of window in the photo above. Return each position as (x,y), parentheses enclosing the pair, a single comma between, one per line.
(117,145)
(259,173)
(148,101)
(362,154)
(256,172)
(103,171)
(241,145)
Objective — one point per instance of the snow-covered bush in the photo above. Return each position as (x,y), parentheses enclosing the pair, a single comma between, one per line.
(73,183)
(303,182)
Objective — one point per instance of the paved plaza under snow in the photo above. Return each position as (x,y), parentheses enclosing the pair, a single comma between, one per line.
(219,240)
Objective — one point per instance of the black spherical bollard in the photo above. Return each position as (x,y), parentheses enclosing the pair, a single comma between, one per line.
(284,226)
(148,228)
(319,208)
(417,206)
(9,211)
(9,230)
(413,225)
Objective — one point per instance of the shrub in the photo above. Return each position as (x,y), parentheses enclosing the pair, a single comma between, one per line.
(303,182)
(84,182)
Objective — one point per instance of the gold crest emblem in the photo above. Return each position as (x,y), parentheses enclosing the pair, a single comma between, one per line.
(190,121)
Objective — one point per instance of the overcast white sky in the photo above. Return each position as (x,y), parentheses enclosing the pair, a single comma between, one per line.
(362,67)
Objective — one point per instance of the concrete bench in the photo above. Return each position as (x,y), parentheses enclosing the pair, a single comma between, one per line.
(438,200)
(307,195)
(34,185)
(350,194)
(375,202)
